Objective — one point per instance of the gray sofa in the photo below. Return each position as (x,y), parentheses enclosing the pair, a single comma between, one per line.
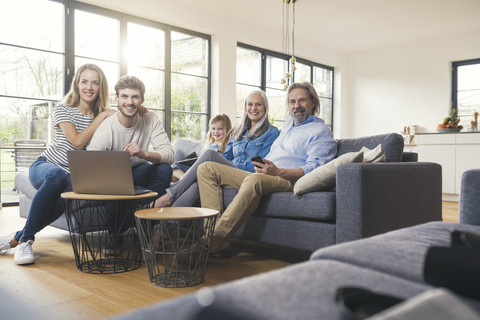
(389,264)
(369,199)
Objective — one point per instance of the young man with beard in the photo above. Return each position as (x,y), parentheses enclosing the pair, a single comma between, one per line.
(304,143)
(142,136)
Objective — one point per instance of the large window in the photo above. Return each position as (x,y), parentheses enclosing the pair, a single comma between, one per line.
(262,69)
(466,89)
(43,42)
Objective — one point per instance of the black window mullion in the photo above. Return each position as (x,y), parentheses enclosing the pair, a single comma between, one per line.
(263,81)
(69,46)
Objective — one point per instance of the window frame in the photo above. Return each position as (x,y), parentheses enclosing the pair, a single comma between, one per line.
(67,52)
(455,65)
(124,19)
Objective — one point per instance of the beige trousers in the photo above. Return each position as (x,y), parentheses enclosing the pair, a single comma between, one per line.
(213,177)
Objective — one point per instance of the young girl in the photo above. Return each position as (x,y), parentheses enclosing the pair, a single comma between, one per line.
(217,140)
(217,137)
(75,120)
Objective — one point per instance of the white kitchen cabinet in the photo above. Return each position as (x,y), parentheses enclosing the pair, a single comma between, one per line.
(455,152)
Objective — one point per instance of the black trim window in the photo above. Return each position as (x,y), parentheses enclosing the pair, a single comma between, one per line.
(47,40)
(43,42)
(263,69)
(466,89)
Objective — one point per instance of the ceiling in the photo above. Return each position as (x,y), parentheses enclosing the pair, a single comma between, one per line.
(357,25)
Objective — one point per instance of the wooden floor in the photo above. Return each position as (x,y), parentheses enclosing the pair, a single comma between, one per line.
(54,286)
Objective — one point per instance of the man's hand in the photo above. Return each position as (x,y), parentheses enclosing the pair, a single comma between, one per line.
(271,169)
(268,168)
(134,150)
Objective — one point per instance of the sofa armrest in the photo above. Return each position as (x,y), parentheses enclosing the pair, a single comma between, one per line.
(374,198)
(409,156)
(469,199)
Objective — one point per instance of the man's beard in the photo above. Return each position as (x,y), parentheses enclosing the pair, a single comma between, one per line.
(297,119)
(129,115)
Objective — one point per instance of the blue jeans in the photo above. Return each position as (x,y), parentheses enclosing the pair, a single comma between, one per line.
(155,177)
(47,205)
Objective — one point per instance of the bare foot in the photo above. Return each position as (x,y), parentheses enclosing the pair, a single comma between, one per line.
(163,201)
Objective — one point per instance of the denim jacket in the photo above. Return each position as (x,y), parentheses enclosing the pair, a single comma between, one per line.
(241,152)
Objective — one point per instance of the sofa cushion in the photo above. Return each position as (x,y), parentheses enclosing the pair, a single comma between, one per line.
(302,291)
(438,304)
(323,177)
(319,206)
(184,147)
(392,143)
(23,185)
(374,155)
(400,252)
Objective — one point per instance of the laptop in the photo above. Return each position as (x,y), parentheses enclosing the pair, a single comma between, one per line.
(102,172)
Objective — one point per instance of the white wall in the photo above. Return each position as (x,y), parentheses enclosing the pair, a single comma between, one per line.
(404,85)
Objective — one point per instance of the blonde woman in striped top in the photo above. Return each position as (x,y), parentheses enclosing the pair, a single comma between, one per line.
(75,120)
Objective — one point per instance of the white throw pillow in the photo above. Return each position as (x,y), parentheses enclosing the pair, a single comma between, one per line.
(323,177)
(374,155)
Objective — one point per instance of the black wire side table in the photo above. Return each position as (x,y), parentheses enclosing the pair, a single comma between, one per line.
(175,244)
(103,232)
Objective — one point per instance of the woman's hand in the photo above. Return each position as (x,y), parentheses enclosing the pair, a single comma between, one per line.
(107,113)
(142,110)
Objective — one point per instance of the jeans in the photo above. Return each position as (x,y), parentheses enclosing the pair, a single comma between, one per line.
(47,205)
(155,177)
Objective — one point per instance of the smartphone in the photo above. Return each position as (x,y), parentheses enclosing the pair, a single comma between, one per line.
(258,159)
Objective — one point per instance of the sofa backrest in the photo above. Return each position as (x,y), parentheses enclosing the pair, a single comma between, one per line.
(184,147)
(392,145)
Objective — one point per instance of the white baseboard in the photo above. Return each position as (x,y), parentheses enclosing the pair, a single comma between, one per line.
(450,197)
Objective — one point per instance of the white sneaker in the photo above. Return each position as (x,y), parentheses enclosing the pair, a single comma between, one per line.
(5,243)
(24,253)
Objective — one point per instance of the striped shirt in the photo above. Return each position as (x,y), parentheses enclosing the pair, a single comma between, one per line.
(56,153)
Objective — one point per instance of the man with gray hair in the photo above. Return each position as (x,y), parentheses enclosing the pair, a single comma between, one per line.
(304,143)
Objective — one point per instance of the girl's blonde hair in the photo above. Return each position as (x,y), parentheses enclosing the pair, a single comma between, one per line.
(72,98)
(227,125)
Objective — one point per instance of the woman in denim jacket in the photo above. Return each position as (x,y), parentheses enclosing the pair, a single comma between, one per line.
(253,137)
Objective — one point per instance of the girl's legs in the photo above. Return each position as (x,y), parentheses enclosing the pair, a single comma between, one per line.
(47,205)
(190,177)
(189,197)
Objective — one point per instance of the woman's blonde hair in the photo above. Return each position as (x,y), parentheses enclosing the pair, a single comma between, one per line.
(227,125)
(72,98)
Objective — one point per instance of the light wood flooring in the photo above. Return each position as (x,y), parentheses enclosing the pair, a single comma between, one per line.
(55,287)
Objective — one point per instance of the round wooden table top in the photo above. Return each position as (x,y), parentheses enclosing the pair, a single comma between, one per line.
(85,196)
(175,213)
